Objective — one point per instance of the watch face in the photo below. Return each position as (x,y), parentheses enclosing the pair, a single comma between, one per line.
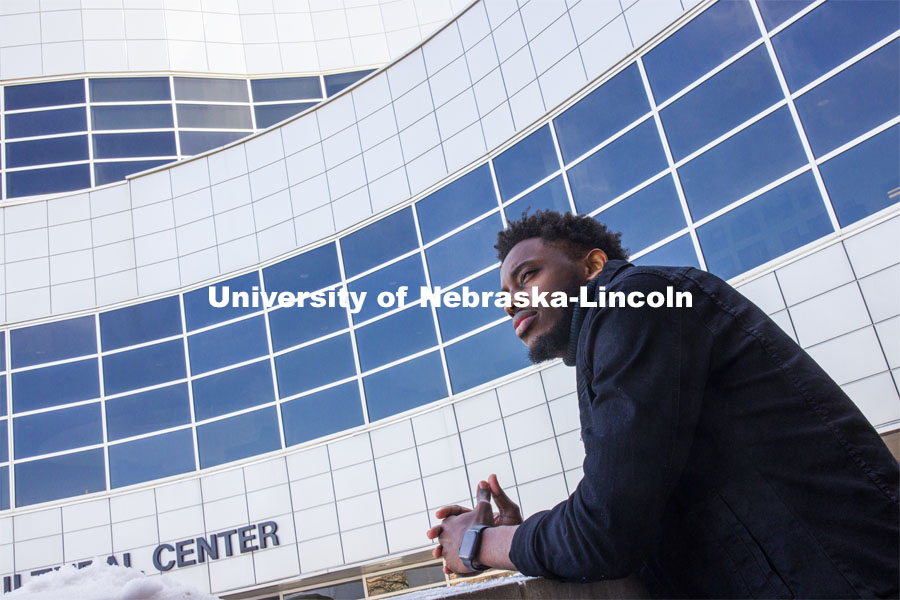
(467,546)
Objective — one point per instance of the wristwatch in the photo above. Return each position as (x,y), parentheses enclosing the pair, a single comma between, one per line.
(468,549)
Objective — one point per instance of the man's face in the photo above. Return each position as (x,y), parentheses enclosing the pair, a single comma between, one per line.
(535,263)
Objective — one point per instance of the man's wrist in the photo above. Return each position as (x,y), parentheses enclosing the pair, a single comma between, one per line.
(494,549)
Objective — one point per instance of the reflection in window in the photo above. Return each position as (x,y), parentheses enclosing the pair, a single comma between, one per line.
(721,103)
(379,242)
(47,181)
(125,145)
(53,341)
(2,395)
(409,579)
(151,458)
(269,114)
(462,319)
(646,216)
(294,325)
(316,365)
(456,203)
(52,386)
(143,367)
(405,386)
(196,142)
(743,163)
(209,89)
(147,411)
(864,179)
(617,167)
(151,116)
(60,477)
(213,116)
(329,411)
(526,163)
(406,272)
(832,33)
(305,272)
(608,109)
(234,390)
(550,196)
(389,339)
(140,323)
(677,253)
(852,102)
(238,437)
(464,253)
(42,152)
(4,488)
(35,95)
(57,430)
(352,590)
(228,345)
(286,88)
(717,33)
(108,172)
(129,89)
(777,222)
(776,12)
(199,313)
(4,441)
(46,122)
(485,356)
(338,81)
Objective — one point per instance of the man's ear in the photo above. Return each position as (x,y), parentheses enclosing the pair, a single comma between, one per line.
(594,262)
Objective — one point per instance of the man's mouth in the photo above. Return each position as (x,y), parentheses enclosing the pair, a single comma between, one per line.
(522,321)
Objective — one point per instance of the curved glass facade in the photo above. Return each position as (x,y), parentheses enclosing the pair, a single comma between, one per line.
(734,141)
(74,134)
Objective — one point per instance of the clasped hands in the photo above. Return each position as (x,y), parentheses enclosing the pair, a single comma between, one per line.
(456,520)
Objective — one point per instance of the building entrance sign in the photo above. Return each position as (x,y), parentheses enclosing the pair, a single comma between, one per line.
(198,550)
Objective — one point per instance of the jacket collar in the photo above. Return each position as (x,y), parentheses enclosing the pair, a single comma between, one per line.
(610,270)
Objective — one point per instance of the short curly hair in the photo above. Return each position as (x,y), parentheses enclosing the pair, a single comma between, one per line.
(577,233)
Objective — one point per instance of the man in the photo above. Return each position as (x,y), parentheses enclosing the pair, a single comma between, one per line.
(721,460)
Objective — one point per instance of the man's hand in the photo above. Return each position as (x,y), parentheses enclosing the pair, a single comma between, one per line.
(509,511)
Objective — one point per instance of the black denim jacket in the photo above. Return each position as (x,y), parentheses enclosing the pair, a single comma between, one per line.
(721,460)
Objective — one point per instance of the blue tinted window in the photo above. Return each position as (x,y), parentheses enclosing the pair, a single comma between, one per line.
(617,167)
(526,163)
(379,242)
(148,411)
(60,477)
(717,33)
(777,222)
(456,203)
(42,152)
(294,325)
(458,320)
(405,386)
(151,458)
(57,430)
(2,350)
(198,312)
(124,145)
(852,102)
(394,337)
(117,171)
(228,345)
(464,253)
(143,367)
(233,390)
(53,341)
(335,83)
(202,88)
(4,442)
(600,114)
(776,12)
(550,196)
(152,116)
(4,488)
(314,366)
(406,272)
(831,34)
(55,93)
(59,384)
(647,216)
(46,122)
(864,179)
(47,181)
(677,253)
(286,88)
(196,142)
(485,356)
(329,411)
(140,323)
(128,89)
(305,272)
(214,117)
(238,437)
(721,103)
(269,114)
(741,164)
(2,395)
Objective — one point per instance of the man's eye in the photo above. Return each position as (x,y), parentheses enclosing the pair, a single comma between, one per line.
(526,275)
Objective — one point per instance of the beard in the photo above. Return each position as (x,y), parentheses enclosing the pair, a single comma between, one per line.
(555,342)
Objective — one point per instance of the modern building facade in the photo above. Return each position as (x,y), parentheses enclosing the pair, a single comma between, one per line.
(757,139)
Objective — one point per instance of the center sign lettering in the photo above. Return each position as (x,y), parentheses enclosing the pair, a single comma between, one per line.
(242,539)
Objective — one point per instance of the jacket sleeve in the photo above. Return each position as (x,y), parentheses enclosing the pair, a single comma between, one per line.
(647,369)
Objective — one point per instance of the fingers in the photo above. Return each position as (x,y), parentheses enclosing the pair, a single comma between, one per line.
(500,497)
(484,492)
(449,511)
(438,551)
(433,532)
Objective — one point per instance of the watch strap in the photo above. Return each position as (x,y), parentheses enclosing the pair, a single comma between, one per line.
(470,562)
